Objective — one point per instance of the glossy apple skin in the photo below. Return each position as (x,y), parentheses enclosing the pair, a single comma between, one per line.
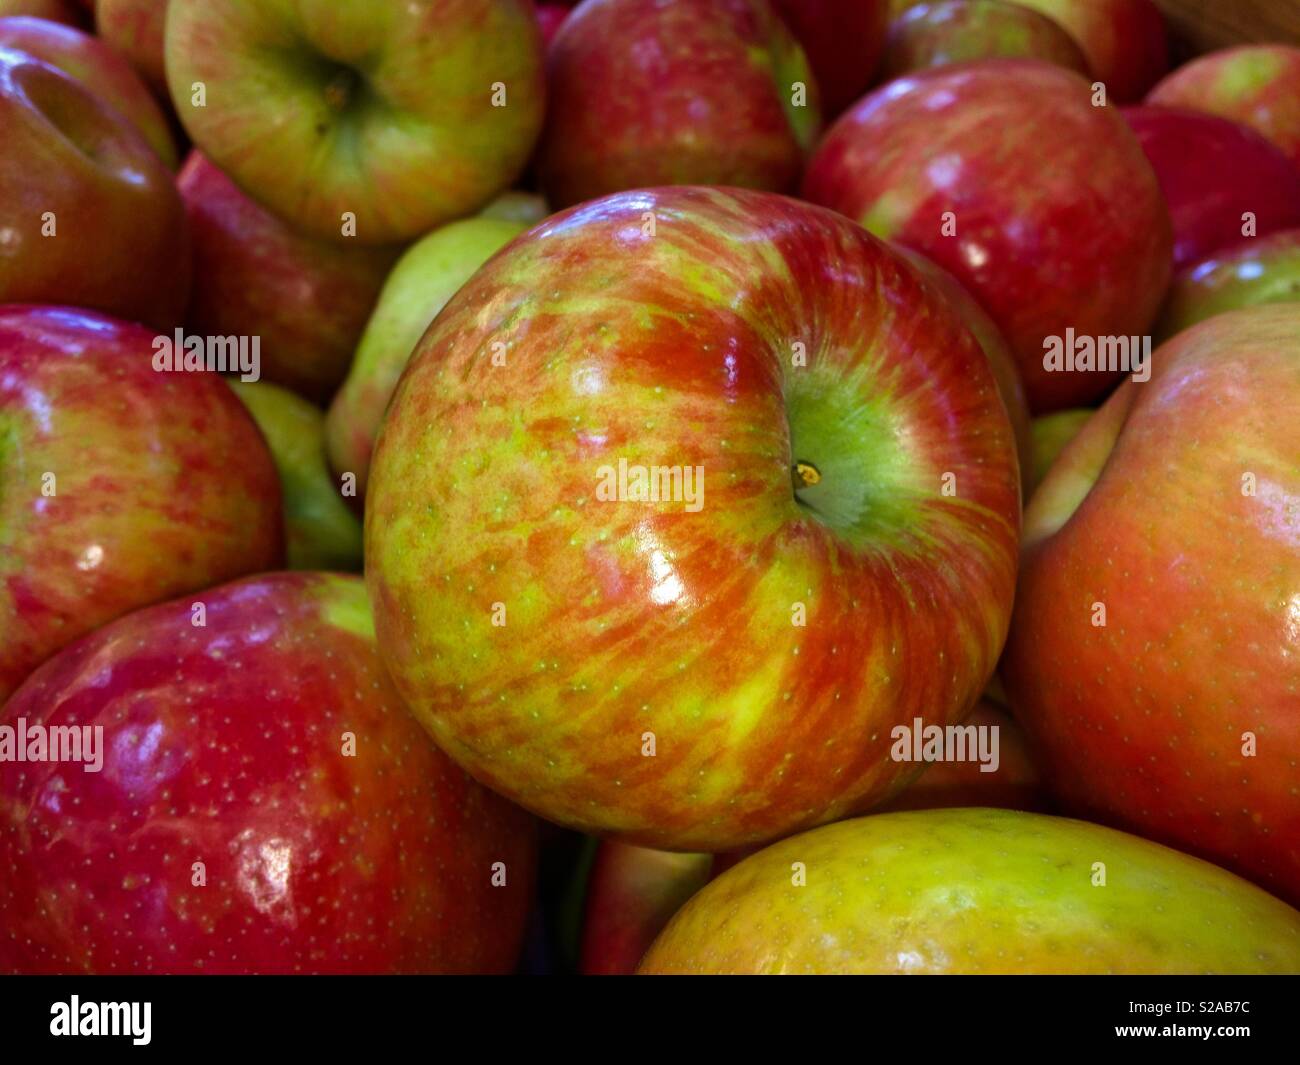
(382,109)
(307,299)
(1140,722)
(842,40)
(1266,270)
(1124,41)
(224,745)
(121,244)
(1256,85)
(134,28)
(321,531)
(422,282)
(694,92)
(1005,372)
(976,891)
(1211,171)
(62,12)
(181,492)
(1050,434)
(631,894)
(625,618)
(976,140)
(550,16)
(960,31)
(100,69)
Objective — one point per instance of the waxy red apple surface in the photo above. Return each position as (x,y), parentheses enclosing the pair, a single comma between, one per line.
(368,121)
(694,92)
(64,12)
(1252,272)
(264,804)
(100,69)
(976,891)
(1124,41)
(1256,85)
(122,486)
(307,300)
(721,666)
(942,32)
(1154,658)
(1223,182)
(842,40)
(88,213)
(994,170)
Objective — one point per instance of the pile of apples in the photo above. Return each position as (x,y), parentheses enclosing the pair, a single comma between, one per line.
(641,423)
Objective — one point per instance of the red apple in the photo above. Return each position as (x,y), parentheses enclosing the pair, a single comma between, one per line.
(1050,434)
(693,672)
(1124,41)
(123,486)
(697,91)
(1257,85)
(842,40)
(631,894)
(362,121)
(135,29)
(1213,172)
(100,69)
(1266,270)
(1154,659)
(88,214)
(1042,205)
(959,31)
(550,16)
(307,299)
(61,11)
(263,804)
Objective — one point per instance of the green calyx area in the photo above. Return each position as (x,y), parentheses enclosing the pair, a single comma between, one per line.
(850,467)
(342,92)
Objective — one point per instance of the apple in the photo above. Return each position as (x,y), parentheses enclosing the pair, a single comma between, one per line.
(1124,41)
(631,895)
(1213,173)
(101,70)
(321,530)
(693,673)
(1257,85)
(1050,433)
(60,11)
(694,92)
(263,804)
(1005,373)
(306,299)
(517,206)
(123,486)
(1152,657)
(958,31)
(425,278)
(842,40)
(997,170)
(1265,270)
(88,214)
(1016,783)
(134,28)
(364,121)
(976,891)
(549,17)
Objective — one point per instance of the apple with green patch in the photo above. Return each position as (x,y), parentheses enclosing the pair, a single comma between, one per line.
(692,677)
(976,891)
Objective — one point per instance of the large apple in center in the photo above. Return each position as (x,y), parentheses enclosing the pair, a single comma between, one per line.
(829,549)
(372,120)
